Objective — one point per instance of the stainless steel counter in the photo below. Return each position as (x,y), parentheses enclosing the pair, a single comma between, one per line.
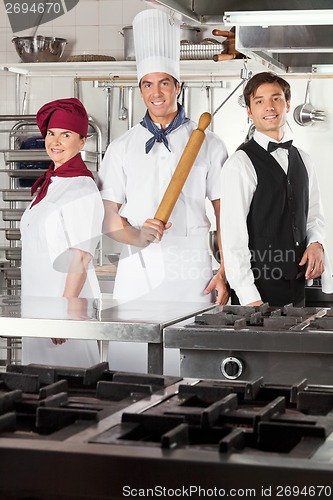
(104,320)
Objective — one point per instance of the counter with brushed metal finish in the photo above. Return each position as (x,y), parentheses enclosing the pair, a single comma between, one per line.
(104,320)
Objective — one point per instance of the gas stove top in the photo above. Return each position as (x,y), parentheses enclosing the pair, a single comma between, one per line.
(265,318)
(285,344)
(42,401)
(96,434)
(223,417)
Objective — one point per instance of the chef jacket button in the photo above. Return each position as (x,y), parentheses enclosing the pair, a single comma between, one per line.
(289,181)
(297,244)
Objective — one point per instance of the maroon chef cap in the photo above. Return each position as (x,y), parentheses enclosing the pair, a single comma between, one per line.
(68,114)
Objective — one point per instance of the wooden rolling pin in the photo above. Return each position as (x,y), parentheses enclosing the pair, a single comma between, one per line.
(223,33)
(183,169)
(224,57)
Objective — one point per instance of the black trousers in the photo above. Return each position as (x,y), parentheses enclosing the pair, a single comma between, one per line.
(279,292)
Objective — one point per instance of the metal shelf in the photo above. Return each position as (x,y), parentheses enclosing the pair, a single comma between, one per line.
(22,155)
(12,234)
(24,173)
(12,253)
(12,214)
(31,173)
(13,273)
(17,194)
(118,70)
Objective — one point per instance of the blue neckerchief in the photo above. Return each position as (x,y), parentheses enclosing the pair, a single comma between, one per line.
(159,134)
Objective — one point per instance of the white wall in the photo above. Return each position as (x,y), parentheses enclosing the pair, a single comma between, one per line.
(92,27)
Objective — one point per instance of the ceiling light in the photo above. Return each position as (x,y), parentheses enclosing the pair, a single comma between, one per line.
(322,69)
(279,18)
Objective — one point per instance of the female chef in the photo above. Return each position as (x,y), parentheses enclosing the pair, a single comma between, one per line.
(60,231)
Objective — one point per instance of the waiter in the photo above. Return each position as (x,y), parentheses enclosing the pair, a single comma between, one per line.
(161,262)
(271,215)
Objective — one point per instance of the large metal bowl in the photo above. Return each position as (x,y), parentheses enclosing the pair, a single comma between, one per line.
(39,48)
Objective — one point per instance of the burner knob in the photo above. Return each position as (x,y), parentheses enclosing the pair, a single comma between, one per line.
(231,368)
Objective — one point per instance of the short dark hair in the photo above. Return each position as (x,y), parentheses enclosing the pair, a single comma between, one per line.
(265,77)
(174,80)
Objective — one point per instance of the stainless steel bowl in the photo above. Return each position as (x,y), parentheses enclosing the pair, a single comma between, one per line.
(39,48)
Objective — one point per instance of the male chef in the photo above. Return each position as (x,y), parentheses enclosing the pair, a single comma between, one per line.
(174,263)
(271,215)
(164,262)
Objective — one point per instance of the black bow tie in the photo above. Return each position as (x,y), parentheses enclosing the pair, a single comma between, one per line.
(273,146)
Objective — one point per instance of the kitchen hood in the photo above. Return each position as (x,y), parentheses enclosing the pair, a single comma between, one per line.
(297,38)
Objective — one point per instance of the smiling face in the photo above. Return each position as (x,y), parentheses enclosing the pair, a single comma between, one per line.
(268,109)
(159,92)
(61,145)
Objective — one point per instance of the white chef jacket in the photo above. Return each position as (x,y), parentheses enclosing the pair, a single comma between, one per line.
(238,184)
(179,267)
(69,216)
(137,181)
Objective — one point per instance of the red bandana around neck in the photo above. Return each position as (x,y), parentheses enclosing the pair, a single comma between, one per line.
(74,167)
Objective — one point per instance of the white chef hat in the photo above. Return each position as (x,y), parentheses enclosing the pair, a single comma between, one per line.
(157,43)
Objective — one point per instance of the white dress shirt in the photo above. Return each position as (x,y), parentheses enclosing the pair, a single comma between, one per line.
(238,184)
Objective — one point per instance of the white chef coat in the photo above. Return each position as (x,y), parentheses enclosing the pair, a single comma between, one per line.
(69,216)
(238,184)
(179,267)
(137,181)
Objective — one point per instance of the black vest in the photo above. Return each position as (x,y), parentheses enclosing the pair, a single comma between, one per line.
(278,214)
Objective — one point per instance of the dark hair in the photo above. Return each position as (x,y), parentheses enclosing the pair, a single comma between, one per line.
(265,77)
(174,80)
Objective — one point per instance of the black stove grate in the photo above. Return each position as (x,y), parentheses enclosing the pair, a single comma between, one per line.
(37,400)
(264,316)
(228,416)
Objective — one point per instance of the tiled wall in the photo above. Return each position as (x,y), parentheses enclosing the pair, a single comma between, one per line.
(91,27)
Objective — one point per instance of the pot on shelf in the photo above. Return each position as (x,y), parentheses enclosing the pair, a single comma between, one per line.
(129,52)
(188,34)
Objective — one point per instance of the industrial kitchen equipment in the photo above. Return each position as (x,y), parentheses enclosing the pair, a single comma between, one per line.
(244,342)
(288,36)
(93,433)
